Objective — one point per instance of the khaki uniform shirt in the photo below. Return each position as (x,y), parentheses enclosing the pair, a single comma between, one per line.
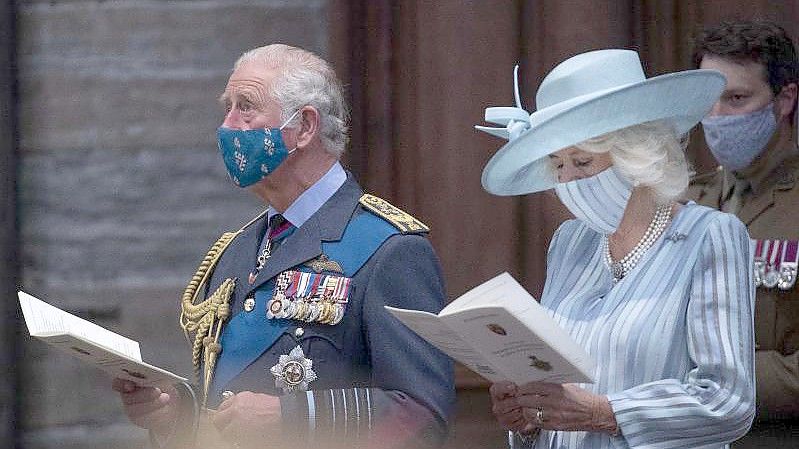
(769,207)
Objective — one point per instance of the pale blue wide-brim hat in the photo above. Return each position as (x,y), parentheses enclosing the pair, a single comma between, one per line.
(588,95)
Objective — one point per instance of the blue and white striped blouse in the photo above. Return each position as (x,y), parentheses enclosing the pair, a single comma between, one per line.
(673,340)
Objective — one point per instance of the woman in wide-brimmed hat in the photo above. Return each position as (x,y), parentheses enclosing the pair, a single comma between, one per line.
(659,293)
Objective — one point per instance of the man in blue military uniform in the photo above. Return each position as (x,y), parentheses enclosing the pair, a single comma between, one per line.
(292,344)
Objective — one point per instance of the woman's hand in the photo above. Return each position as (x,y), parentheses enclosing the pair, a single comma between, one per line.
(506,408)
(565,407)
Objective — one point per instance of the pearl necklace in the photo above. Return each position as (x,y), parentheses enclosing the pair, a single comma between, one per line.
(653,231)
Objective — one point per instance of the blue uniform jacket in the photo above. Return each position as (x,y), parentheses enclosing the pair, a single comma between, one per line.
(375,376)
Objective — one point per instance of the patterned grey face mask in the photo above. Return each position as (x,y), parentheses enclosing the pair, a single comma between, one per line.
(736,140)
(598,200)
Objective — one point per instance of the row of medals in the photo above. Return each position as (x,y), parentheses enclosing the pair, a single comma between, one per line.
(775,263)
(326,305)
(769,276)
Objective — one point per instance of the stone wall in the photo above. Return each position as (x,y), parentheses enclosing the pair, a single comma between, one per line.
(121,188)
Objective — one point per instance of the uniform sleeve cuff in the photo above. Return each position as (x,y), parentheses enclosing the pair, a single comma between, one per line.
(297,412)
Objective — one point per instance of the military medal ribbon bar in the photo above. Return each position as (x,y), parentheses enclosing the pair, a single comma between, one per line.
(309,297)
(788,264)
(776,263)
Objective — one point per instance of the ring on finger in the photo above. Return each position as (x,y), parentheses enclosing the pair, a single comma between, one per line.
(539,415)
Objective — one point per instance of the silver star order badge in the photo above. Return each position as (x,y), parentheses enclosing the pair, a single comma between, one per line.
(293,372)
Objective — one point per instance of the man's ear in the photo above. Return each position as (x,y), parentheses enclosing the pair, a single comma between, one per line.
(785,101)
(309,126)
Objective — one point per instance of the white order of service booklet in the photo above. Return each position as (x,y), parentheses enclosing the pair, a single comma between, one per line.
(117,355)
(499,331)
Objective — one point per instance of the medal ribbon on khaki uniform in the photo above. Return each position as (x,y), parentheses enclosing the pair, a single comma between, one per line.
(776,263)
(788,264)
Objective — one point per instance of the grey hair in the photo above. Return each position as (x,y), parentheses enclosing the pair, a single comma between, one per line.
(302,79)
(649,154)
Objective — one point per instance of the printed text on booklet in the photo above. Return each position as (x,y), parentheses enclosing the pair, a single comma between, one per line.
(117,355)
(499,331)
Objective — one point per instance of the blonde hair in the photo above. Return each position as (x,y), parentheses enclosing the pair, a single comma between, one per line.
(648,154)
(305,79)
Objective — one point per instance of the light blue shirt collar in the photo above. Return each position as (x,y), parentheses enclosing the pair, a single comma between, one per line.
(312,199)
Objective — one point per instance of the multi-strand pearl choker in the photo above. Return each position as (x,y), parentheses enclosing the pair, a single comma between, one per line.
(653,231)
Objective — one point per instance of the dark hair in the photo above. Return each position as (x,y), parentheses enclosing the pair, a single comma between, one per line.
(759,41)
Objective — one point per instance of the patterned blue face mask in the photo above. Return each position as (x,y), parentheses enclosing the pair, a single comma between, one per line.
(251,155)
(736,140)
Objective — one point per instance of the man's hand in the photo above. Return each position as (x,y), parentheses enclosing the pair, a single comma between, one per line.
(250,420)
(149,407)
(565,407)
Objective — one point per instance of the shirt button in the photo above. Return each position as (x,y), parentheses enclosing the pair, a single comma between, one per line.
(227,394)
(249,304)
(299,332)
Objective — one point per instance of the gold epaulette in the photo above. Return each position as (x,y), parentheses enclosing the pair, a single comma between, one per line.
(401,220)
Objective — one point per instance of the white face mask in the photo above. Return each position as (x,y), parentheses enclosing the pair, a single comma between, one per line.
(598,201)
(736,140)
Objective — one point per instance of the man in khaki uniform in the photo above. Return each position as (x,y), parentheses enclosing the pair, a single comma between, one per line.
(751,131)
